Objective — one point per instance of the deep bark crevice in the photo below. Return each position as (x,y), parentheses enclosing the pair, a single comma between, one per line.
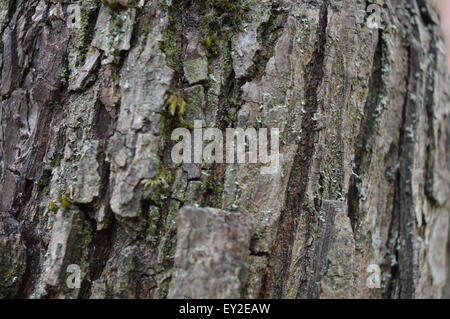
(363,150)
(280,259)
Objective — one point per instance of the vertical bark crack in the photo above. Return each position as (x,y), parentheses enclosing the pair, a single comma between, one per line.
(276,276)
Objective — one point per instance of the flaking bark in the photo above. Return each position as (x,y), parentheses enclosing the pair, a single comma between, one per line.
(85,141)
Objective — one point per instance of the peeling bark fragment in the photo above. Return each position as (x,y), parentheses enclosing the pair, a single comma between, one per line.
(4,8)
(247,43)
(195,99)
(88,180)
(145,80)
(212,252)
(338,279)
(83,73)
(69,244)
(113,32)
(108,92)
(196,70)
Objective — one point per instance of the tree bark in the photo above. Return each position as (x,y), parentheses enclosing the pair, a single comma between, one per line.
(91,90)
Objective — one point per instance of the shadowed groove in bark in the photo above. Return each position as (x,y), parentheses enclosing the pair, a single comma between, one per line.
(429,105)
(32,266)
(85,36)
(363,153)
(402,281)
(424,13)
(276,274)
(403,272)
(268,34)
(101,243)
(12,6)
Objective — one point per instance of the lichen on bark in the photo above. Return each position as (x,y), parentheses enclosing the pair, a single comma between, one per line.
(88,103)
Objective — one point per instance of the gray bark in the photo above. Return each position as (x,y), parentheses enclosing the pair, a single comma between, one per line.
(85,176)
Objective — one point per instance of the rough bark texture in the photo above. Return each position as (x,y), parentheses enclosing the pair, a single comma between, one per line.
(85,141)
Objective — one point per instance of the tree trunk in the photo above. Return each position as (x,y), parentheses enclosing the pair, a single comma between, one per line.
(91,91)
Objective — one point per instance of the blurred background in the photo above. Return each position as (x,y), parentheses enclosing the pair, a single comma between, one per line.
(444,11)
